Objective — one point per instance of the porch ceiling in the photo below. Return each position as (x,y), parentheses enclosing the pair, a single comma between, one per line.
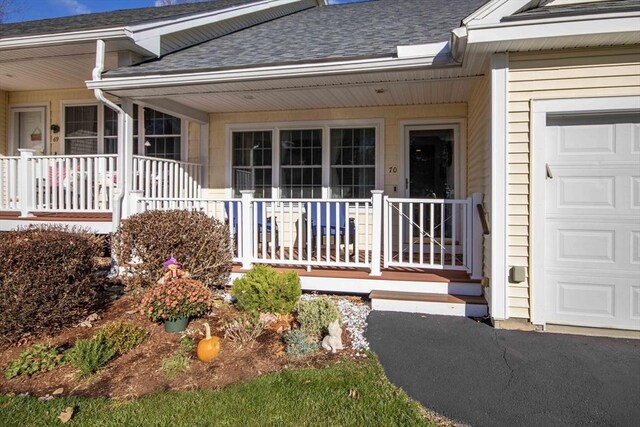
(53,67)
(365,90)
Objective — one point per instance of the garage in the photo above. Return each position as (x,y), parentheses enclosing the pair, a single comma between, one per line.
(590,264)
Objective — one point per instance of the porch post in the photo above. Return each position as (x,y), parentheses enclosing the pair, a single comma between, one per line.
(25,182)
(126,159)
(476,237)
(245,247)
(376,239)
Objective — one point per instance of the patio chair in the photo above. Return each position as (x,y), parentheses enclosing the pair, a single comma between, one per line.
(335,224)
(258,206)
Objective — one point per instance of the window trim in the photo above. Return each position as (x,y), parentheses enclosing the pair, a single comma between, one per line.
(325,126)
(99,118)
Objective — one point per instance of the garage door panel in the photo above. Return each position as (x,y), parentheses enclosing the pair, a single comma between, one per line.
(592,245)
(584,300)
(592,221)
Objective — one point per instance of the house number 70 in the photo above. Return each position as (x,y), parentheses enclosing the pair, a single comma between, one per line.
(393,169)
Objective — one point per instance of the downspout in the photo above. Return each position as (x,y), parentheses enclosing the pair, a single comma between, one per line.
(97,75)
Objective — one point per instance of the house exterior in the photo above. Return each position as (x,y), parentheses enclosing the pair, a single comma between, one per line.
(451,157)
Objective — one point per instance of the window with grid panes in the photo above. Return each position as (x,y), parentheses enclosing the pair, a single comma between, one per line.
(352,162)
(301,163)
(162,134)
(110,131)
(81,129)
(252,162)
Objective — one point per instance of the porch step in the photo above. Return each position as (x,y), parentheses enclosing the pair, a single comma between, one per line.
(418,302)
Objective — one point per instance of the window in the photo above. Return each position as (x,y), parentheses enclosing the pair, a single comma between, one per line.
(353,162)
(301,163)
(252,160)
(110,131)
(81,129)
(162,134)
(339,159)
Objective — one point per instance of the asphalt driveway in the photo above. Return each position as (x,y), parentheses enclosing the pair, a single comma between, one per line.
(480,376)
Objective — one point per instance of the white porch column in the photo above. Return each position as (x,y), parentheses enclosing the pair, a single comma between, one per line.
(499,177)
(377,229)
(204,156)
(245,222)
(125,159)
(25,182)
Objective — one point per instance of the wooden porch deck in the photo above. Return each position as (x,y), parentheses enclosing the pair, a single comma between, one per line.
(58,216)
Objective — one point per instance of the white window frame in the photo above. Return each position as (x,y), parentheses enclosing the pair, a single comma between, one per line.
(99,118)
(142,136)
(22,108)
(325,126)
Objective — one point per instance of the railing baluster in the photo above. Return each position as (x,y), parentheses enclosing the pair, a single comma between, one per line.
(431,236)
(400,231)
(454,225)
(442,242)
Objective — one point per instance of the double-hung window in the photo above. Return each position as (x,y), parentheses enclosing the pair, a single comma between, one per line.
(81,129)
(319,160)
(162,133)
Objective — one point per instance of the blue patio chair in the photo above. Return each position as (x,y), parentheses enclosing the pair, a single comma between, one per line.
(328,223)
(258,206)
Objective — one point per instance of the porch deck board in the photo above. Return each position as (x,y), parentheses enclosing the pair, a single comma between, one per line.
(58,216)
(395,274)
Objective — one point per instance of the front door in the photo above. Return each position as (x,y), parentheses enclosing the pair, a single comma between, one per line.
(430,163)
(28,126)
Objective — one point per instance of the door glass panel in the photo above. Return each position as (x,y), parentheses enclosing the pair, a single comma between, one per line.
(29,130)
(431,164)
(431,176)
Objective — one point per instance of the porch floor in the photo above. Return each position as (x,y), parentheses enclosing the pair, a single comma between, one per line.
(58,216)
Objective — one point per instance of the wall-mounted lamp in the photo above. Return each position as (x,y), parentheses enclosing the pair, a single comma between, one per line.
(54,128)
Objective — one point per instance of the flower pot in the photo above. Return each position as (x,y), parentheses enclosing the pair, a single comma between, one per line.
(176,325)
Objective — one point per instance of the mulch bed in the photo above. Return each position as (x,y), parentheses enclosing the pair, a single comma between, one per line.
(138,373)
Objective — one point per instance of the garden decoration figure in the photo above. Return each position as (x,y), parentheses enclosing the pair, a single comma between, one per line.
(175,270)
(333,341)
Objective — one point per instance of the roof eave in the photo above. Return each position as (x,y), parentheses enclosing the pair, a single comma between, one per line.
(272,72)
(116,33)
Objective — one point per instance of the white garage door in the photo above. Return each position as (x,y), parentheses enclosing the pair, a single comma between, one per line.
(592,221)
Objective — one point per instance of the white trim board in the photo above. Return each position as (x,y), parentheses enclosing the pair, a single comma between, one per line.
(540,109)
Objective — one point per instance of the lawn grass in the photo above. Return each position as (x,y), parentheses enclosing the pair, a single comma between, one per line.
(343,394)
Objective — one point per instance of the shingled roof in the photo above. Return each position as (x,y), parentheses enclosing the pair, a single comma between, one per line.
(117,18)
(338,32)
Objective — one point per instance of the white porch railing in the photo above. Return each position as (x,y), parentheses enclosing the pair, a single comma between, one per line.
(164,178)
(9,199)
(79,183)
(353,233)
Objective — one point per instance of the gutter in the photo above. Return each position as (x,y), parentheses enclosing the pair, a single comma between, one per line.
(272,72)
(97,72)
(62,38)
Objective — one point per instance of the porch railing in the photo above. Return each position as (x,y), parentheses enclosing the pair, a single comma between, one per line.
(165,178)
(9,198)
(346,233)
(79,183)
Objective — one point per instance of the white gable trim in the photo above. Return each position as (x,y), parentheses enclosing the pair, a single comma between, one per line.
(494,11)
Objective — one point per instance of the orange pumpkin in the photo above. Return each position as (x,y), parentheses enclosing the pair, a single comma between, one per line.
(208,347)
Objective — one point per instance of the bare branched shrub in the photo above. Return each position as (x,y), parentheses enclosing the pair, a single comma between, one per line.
(47,279)
(245,330)
(201,244)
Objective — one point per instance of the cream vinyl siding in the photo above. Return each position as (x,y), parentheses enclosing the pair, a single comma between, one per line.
(4,123)
(554,75)
(479,154)
(53,101)
(392,116)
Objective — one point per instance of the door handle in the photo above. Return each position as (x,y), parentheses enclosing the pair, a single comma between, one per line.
(549,174)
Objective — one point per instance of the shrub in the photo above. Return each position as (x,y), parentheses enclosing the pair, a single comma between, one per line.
(201,244)
(298,344)
(264,290)
(90,355)
(46,277)
(315,315)
(176,298)
(38,358)
(245,330)
(122,336)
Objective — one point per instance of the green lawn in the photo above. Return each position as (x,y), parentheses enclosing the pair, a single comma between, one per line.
(302,397)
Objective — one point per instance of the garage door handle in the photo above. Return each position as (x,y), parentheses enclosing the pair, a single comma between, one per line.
(549,174)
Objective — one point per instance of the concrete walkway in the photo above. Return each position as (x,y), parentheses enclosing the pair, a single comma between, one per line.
(480,376)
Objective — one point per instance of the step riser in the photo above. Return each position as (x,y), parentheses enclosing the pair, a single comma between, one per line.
(427,307)
(365,286)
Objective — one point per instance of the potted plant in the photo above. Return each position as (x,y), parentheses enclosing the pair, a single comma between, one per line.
(175,301)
